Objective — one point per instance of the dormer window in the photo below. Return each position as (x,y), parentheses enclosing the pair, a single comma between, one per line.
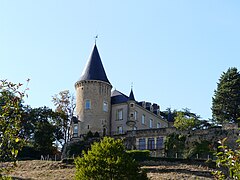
(151,108)
(132,105)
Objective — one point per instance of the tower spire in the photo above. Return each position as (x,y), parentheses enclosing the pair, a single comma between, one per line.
(94,69)
(131,96)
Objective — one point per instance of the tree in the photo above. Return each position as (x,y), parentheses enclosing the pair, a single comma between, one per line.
(175,143)
(65,106)
(45,129)
(107,160)
(10,116)
(185,120)
(226,100)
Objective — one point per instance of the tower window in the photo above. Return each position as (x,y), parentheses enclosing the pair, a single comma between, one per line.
(87,104)
(105,106)
(131,114)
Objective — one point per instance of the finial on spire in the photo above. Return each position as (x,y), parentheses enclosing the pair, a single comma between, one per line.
(96,38)
(132,85)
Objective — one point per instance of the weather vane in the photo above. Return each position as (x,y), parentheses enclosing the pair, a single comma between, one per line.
(96,38)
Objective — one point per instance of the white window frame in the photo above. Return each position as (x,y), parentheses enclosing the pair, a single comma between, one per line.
(158,125)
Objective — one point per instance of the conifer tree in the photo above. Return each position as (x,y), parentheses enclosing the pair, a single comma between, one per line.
(226,100)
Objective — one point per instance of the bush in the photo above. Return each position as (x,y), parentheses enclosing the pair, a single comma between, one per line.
(139,155)
(108,160)
(229,160)
(29,152)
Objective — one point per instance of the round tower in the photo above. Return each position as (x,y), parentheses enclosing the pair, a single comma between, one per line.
(93,98)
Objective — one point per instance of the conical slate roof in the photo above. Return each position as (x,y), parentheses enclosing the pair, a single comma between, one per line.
(94,69)
(131,96)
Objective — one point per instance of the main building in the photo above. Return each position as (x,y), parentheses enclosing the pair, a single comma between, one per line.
(112,113)
(107,112)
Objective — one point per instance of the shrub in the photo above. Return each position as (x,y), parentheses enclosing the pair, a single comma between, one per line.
(107,160)
(139,155)
(228,159)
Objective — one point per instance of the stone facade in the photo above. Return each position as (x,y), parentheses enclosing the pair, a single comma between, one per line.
(91,99)
(112,113)
(109,113)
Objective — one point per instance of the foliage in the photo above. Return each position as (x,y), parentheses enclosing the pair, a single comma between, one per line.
(184,122)
(175,143)
(76,148)
(46,129)
(230,159)
(65,105)
(107,160)
(40,129)
(139,155)
(202,149)
(226,100)
(185,119)
(10,117)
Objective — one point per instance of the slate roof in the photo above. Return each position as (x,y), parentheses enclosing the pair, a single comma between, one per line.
(118,97)
(94,69)
(131,96)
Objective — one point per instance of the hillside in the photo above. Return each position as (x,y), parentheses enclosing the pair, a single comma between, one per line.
(33,170)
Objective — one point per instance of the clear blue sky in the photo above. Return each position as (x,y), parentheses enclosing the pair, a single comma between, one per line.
(173,51)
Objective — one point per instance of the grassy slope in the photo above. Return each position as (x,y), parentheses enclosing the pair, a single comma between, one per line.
(57,170)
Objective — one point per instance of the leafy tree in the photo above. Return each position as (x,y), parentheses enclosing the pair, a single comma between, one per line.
(175,143)
(226,100)
(10,117)
(65,105)
(107,160)
(186,120)
(46,129)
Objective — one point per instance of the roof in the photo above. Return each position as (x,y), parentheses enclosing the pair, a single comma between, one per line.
(118,97)
(94,69)
(131,96)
